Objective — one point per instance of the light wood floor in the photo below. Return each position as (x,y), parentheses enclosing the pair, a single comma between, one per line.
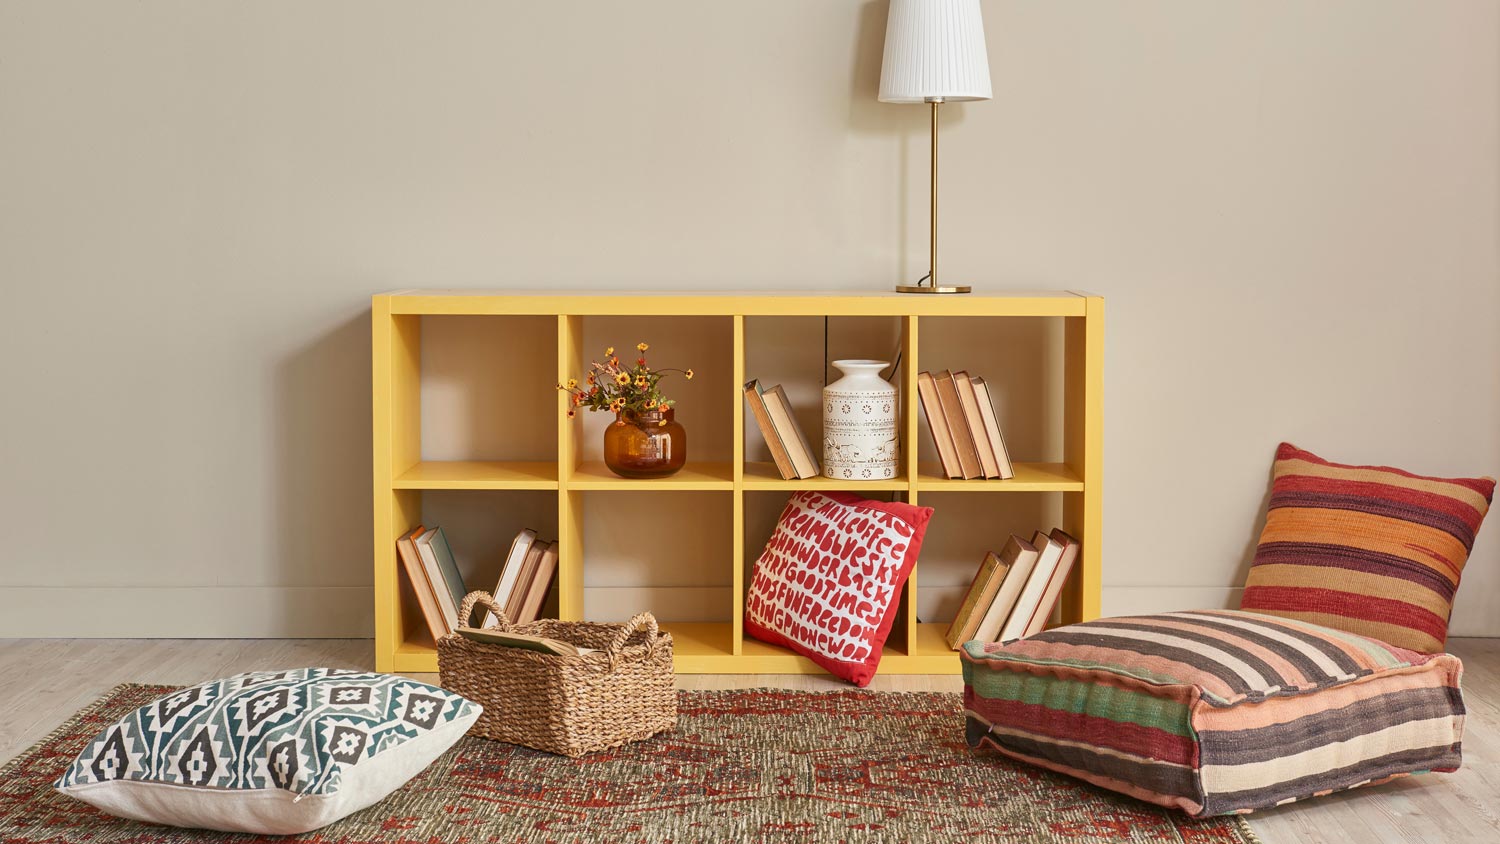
(46,680)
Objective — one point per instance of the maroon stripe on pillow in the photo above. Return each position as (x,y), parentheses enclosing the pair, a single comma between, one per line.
(1483,486)
(1449,504)
(1347,604)
(1446,522)
(1354,559)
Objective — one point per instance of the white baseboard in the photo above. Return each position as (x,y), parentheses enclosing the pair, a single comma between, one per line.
(195,612)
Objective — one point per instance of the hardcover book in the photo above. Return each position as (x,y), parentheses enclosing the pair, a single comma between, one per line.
(1036,585)
(518,595)
(1055,583)
(941,437)
(803,459)
(975,423)
(977,601)
(510,573)
(1022,556)
(442,572)
(986,402)
(540,644)
(953,412)
(546,570)
(437,624)
(755,398)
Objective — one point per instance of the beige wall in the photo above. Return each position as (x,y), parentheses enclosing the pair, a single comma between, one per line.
(1292,209)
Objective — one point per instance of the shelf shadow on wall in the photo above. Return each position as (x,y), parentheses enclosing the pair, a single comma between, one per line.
(1257,526)
(322,448)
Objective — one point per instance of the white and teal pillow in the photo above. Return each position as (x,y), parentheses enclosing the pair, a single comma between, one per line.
(271,752)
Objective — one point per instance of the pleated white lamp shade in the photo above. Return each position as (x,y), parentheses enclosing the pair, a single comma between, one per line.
(934,49)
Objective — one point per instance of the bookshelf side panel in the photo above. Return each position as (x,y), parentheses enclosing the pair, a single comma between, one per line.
(1083,448)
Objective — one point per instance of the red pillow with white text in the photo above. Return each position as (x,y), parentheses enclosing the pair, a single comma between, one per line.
(828,584)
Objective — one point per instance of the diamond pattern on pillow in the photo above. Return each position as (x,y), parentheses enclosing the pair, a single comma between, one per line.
(305,735)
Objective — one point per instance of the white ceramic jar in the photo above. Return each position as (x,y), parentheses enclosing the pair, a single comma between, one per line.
(859,423)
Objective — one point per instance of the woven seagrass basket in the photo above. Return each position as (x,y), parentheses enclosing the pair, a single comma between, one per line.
(572,705)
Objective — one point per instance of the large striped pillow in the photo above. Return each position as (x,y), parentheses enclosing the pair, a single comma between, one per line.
(1367,549)
(1215,712)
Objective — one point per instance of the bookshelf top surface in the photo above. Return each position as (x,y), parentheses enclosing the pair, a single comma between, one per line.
(732,302)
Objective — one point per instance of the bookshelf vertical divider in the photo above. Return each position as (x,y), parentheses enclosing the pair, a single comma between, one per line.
(910,408)
(737,518)
(401,475)
(569,503)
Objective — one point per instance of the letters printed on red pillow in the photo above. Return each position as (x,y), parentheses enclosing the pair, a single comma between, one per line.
(829,581)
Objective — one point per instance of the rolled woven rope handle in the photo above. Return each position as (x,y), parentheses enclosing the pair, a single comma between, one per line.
(481,597)
(653,636)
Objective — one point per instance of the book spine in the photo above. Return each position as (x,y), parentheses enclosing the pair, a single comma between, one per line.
(959,629)
(933,411)
(986,401)
(406,549)
(976,426)
(968,455)
(779,454)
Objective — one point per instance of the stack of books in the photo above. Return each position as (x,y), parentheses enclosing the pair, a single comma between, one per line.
(961,414)
(789,447)
(529,571)
(1015,591)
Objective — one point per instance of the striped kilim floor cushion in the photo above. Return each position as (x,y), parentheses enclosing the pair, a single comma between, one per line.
(1215,712)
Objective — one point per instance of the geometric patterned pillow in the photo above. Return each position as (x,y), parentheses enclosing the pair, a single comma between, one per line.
(270,752)
(1367,549)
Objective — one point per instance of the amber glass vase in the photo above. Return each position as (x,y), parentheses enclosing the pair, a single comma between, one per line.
(638,445)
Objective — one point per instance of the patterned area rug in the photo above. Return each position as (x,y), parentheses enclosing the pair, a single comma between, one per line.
(759,765)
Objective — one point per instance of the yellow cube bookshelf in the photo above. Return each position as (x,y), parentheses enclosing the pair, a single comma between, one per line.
(401,475)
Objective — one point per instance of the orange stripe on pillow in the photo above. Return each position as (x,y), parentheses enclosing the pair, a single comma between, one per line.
(1380,534)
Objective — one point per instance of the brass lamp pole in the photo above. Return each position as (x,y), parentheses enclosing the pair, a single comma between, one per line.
(932,285)
(934,53)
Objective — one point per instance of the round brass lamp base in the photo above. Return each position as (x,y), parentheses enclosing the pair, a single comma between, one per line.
(922,288)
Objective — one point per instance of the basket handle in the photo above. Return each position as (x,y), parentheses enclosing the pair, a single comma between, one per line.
(653,637)
(480,597)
